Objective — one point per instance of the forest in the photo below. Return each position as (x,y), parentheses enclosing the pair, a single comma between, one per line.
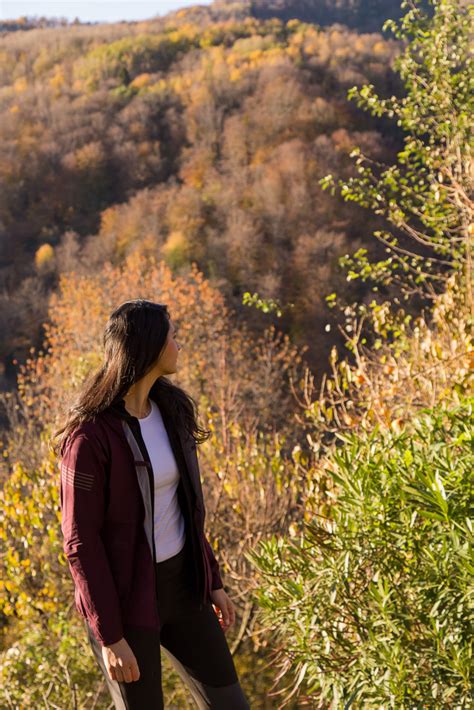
(295,181)
(197,138)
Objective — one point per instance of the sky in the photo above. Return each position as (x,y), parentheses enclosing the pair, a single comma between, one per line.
(93,10)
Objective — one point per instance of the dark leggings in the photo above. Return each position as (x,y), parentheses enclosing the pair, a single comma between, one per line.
(191,638)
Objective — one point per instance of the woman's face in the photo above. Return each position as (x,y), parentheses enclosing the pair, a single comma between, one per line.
(167,362)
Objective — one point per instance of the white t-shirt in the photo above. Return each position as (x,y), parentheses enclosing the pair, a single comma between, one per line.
(169,526)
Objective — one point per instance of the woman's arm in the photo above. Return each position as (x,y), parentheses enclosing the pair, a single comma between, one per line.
(82,488)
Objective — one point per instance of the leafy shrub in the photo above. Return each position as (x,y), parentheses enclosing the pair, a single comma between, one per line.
(375,604)
(50,664)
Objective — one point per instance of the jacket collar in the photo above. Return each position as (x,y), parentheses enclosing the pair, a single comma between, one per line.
(117,411)
(118,408)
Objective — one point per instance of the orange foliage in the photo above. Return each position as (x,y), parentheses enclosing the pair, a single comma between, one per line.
(217,360)
(141,80)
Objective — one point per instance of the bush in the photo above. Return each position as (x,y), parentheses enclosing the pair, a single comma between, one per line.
(50,664)
(375,602)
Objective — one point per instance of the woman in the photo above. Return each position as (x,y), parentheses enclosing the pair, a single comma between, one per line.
(132,508)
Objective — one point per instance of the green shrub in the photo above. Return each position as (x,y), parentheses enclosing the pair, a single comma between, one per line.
(51,665)
(375,604)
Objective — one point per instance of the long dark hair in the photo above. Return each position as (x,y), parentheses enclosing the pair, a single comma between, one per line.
(134,338)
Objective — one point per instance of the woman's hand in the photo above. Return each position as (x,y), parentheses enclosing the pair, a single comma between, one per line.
(120,661)
(226,610)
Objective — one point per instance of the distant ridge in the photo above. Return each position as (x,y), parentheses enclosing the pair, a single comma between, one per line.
(363,15)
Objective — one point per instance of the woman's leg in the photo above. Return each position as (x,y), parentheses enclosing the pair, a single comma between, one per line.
(197,648)
(193,639)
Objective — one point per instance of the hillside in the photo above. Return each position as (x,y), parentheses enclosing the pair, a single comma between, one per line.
(192,139)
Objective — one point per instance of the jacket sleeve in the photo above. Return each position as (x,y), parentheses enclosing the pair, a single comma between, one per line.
(82,489)
(216,577)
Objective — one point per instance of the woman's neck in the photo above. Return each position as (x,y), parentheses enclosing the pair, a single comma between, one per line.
(136,407)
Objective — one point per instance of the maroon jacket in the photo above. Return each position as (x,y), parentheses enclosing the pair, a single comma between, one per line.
(106,493)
